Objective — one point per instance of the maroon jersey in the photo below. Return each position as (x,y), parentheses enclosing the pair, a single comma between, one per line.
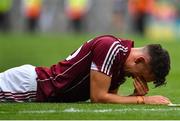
(69,80)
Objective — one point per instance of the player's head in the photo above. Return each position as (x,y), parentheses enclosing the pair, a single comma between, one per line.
(150,63)
(159,63)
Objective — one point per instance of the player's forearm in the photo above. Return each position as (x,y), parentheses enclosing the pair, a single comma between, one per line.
(113,98)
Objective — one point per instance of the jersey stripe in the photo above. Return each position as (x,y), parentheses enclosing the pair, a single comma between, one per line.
(65,70)
(113,51)
(111,61)
(107,56)
(110,58)
(18,97)
(73,65)
(113,58)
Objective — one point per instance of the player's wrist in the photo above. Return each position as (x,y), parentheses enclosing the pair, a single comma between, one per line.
(140,100)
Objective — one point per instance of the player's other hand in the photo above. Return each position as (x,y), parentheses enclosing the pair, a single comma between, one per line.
(156,100)
(141,87)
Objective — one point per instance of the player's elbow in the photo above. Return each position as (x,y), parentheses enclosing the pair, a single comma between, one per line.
(95,100)
(98,99)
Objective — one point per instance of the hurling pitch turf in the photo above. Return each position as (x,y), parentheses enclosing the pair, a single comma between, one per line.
(78,111)
(45,50)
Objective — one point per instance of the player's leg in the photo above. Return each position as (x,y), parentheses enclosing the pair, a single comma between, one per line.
(18,84)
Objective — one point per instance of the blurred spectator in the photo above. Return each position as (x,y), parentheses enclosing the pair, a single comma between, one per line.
(168,8)
(76,11)
(139,10)
(164,21)
(5,6)
(119,14)
(48,14)
(177,25)
(32,11)
(177,9)
(177,5)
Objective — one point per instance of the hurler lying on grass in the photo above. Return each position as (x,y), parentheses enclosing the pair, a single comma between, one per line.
(94,71)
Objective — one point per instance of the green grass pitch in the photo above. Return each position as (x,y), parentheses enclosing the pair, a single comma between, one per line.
(45,50)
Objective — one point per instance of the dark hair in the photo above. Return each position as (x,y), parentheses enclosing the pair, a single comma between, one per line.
(159,63)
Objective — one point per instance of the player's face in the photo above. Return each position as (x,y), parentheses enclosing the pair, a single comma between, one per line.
(142,71)
(145,75)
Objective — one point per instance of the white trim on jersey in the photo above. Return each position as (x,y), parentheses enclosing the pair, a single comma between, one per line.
(94,66)
(113,51)
(104,63)
(73,65)
(113,57)
(65,70)
(110,60)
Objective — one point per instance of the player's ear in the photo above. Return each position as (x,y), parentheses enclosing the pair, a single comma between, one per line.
(140,59)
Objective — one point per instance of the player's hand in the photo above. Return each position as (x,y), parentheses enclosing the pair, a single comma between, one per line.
(156,100)
(141,87)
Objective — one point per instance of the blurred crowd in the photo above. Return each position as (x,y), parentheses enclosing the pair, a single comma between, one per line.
(120,16)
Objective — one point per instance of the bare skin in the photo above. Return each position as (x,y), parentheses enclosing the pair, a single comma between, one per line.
(136,66)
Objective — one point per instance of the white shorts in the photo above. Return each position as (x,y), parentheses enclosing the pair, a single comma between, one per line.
(18,84)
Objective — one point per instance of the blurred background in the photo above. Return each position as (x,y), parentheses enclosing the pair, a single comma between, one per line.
(43,32)
(156,19)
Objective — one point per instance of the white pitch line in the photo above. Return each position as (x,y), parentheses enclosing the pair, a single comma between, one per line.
(76,110)
(39,111)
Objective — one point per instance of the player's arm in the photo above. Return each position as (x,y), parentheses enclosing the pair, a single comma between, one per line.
(99,87)
(99,92)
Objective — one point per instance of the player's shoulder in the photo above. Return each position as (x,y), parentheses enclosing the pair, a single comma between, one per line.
(106,37)
(110,39)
